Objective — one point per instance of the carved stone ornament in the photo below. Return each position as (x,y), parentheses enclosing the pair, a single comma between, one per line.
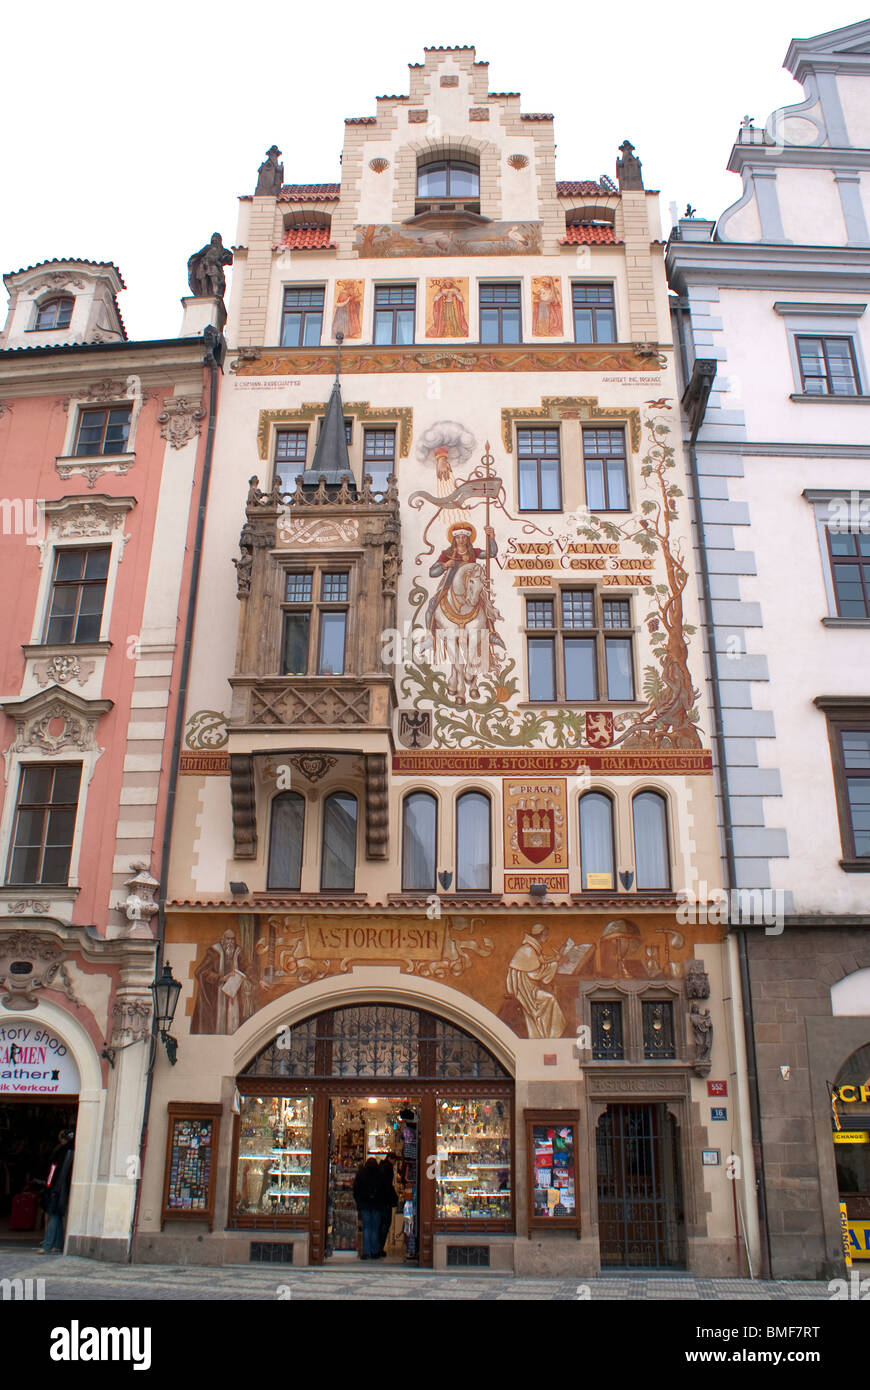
(131,1021)
(313,766)
(93,469)
(697,980)
(60,279)
(88,519)
(57,728)
(302,531)
(61,669)
(107,390)
(54,721)
(139,905)
(28,905)
(180,419)
(29,962)
(702,1032)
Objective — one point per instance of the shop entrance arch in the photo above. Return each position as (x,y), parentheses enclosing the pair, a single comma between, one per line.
(372,1079)
(850,1104)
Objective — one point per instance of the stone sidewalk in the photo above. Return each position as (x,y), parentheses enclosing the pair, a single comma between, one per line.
(73,1278)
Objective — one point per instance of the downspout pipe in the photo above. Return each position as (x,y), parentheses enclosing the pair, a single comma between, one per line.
(215,352)
(699,381)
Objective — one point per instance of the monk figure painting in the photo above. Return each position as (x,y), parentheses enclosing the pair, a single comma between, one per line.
(223,988)
(447,316)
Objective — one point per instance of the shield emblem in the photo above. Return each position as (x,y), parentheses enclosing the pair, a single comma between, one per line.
(536,834)
(599,728)
(415,728)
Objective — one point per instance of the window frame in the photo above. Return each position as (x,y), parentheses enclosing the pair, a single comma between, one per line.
(829,379)
(46,807)
(316,606)
(531,430)
(392,311)
(594,309)
(56,300)
(500,309)
(597,633)
(369,432)
(286,796)
(408,796)
(460,797)
(306,311)
(610,799)
(447,163)
(669,839)
(817,320)
(847,714)
(333,795)
(587,430)
(55,583)
(861,564)
(89,408)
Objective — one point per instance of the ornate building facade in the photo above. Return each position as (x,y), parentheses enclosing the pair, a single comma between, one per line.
(101,449)
(446,776)
(773,324)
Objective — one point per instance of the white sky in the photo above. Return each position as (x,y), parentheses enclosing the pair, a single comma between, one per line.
(127,132)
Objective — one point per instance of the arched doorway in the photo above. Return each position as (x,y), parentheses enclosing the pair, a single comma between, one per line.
(850,1105)
(373,1079)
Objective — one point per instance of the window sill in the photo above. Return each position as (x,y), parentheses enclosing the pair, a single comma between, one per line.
(846,622)
(90,466)
(42,649)
(856,866)
(803,397)
(59,892)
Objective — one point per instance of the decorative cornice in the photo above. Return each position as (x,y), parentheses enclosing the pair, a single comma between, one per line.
(568,408)
(471,357)
(358,410)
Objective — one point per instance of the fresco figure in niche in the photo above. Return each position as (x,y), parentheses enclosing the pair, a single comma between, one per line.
(546,306)
(347,317)
(448,317)
(529,973)
(223,987)
(461,615)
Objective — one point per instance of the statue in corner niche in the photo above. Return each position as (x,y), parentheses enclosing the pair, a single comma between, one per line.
(270,175)
(205,273)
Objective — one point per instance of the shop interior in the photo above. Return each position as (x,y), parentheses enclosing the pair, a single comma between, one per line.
(28,1135)
(363,1127)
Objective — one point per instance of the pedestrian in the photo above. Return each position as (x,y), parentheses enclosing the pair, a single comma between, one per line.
(55,1195)
(367,1195)
(389,1201)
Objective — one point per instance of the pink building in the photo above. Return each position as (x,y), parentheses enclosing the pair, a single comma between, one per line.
(103,448)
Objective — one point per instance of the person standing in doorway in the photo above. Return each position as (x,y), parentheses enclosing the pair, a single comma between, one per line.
(389,1201)
(367,1195)
(55,1197)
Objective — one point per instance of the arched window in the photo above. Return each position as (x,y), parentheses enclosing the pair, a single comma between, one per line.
(285,841)
(448,178)
(596,841)
(473,841)
(419,841)
(651,856)
(54,314)
(338,858)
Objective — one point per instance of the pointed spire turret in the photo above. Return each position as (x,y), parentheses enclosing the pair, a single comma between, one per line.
(331,460)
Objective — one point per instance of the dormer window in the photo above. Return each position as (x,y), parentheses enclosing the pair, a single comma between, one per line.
(56,313)
(449,184)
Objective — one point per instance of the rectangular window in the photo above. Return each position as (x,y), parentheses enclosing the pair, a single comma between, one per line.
(302,317)
(45,821)
(594,314)
(607,1042)
(291,448)
(540,472)
(582,655)
(323,621)
(658,1029)
(394,313)
(379,456)
(473,1142)
(78,591)
(850,571)
(855,746)
(827,366)
(605,469)
(104,431)
(500,314)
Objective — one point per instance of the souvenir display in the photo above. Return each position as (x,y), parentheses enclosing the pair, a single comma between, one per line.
(190,1158)
(273,1176)
(473,1172)
(551,1138)
(347,1126)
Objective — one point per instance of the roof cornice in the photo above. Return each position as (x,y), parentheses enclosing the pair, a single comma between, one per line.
(761,265)
(796,156)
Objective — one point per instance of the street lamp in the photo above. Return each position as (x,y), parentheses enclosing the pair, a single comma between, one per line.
(166,991)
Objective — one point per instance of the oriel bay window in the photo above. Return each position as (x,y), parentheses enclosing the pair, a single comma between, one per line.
(540,469)
(291,447)
(419,842)
(45,821)
(315,622)
(579,647)
(285,841)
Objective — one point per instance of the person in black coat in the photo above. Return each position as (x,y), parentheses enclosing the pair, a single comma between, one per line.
(389,1201)
(367,1193)
(55,1196)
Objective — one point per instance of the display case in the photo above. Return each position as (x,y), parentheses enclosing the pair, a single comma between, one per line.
(273,1167)
(551,1149)
(191,1162)
(473,1169)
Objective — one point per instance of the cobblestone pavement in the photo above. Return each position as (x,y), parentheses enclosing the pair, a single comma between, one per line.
(69,1277)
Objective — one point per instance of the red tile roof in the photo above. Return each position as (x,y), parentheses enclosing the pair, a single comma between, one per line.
(574,188)
(588,234)
(360,120)
(307,239)
(537,116)
(309,193)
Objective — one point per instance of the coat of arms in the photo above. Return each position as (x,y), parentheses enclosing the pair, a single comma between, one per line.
(415,728)
(599,728)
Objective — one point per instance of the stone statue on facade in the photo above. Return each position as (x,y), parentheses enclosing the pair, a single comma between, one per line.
(628,167)
(205,273)
(270,175)
(702,1031)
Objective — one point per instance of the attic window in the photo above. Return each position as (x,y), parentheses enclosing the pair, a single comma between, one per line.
(448,183)
(56,313)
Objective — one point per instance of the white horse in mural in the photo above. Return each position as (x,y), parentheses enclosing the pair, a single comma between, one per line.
(462,624)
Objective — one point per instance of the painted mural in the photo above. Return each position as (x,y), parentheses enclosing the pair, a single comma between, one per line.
(443,235)
(460,664)
(447,308)
(547,306)
(347,310)
(530,974)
